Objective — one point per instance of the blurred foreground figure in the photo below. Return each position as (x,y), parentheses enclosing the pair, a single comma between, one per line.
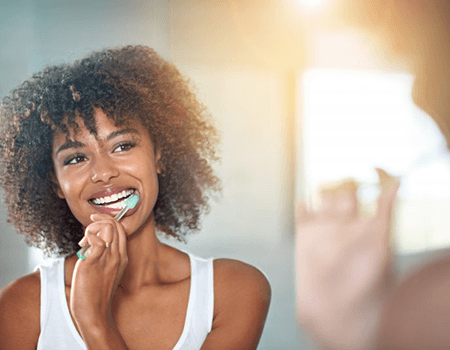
(348,295)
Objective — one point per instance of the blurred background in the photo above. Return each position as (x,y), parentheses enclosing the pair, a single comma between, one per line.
(299,97)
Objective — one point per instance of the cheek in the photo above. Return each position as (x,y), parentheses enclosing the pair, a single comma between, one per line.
(145,170)
(142,166)
(67,186)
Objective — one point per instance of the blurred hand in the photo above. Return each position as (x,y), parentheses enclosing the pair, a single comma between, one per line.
(344,263)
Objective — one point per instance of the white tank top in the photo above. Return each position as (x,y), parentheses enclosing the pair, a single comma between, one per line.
(58,330)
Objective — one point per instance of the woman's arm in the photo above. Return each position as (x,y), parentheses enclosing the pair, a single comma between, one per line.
(95,280)
(20,313)
(417,314)
(242,297)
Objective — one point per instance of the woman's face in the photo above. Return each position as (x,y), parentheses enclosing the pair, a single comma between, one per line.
(96,173)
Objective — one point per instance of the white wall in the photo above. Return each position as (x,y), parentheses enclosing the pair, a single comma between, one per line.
(247,105)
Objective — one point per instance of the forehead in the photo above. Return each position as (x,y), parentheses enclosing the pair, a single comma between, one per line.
(102,128)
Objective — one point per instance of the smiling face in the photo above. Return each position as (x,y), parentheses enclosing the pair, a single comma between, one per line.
(96,173)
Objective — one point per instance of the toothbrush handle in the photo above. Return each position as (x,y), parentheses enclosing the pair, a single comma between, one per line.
(121,213)
(82,252)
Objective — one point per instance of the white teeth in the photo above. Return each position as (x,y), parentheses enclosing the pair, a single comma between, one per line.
(113,198)
(117,205)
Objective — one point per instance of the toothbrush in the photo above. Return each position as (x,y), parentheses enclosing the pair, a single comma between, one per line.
(130,203)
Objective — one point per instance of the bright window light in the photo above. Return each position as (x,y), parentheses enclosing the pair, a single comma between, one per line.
(311,3)
(353,121)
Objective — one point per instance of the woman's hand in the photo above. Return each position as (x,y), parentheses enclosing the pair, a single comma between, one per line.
(344,264)
(95,279)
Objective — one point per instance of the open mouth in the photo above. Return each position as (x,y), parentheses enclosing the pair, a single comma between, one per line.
(115,201)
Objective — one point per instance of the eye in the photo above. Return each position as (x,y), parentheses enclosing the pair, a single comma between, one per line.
(75,159)
(125,146)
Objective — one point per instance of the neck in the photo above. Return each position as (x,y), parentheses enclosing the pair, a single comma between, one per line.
(148,260)
(146,256)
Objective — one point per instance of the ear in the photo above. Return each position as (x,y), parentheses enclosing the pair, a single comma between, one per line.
(159,165)
(55,185)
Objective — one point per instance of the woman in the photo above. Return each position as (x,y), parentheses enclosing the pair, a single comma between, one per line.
(77,140)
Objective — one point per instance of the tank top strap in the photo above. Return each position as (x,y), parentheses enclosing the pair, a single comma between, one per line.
(200,311)
(57,328)
(203,279)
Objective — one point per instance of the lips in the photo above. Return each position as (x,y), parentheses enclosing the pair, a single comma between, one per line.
(113,198)
(109,191)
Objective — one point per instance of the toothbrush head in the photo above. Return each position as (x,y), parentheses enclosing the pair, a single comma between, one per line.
(132,201)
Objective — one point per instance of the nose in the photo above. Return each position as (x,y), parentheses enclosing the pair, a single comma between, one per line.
(103,170)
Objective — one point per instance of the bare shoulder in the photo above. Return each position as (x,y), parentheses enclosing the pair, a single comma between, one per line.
(418,313)
(241,303)
(240,289)
(20,313)
(237,277)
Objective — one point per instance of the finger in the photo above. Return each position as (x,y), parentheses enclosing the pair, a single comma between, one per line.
(339,205)
(106,219)
(118,243)
(303,213)
(386,200)
(93,217)
(83,241)
(99,217)
(103,229)
(97,246)
(384,210)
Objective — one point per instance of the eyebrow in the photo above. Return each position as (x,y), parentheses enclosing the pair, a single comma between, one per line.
(77,144)
(121,132)
(70,144)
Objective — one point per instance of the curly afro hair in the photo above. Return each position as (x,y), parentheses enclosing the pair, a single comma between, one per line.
(129,84)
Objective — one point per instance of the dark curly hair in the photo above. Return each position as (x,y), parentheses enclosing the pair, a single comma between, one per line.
(129,84)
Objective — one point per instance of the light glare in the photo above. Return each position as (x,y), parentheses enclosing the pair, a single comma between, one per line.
(357,120)
(311,3)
